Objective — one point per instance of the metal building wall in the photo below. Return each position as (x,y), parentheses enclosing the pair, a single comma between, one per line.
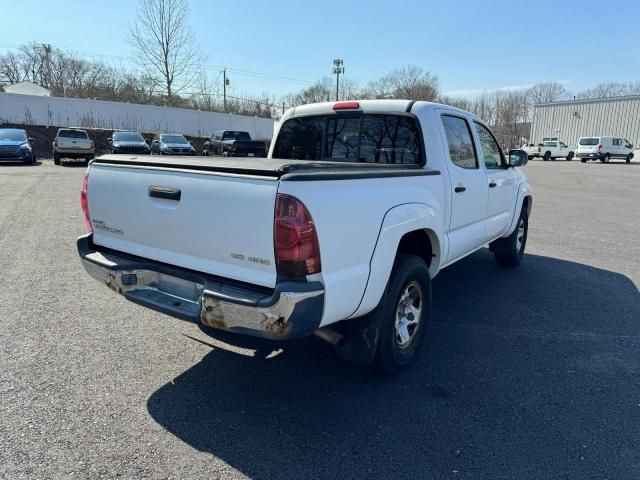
(618,117)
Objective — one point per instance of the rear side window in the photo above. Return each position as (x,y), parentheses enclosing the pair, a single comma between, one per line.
(461,149)
(72,134)
(589,141)
(493,156)
(368,138)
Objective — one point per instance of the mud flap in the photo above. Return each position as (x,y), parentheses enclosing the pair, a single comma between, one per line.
(361,339)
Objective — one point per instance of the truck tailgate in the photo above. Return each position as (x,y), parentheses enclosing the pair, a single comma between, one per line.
(213,223)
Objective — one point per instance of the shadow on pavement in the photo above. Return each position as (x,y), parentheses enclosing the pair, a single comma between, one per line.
(527,373)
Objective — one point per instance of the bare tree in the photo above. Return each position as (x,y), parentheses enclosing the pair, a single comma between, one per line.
(547,92)
(410,82)
(162,36)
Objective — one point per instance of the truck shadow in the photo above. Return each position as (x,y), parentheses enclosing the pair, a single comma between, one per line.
(512,375)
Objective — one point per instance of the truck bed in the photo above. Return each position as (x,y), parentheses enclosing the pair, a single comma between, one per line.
(282,169)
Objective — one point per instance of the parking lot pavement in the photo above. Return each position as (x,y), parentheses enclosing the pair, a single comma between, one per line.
(526,373)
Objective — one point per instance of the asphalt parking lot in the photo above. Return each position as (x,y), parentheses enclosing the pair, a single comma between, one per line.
(526,373)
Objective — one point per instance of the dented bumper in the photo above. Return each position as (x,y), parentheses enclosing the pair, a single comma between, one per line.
(291,310)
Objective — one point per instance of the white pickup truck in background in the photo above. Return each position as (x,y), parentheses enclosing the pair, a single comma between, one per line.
(339,232)
(552,149)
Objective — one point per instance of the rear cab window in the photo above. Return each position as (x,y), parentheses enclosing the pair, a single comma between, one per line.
(72,134)
(589,141)
(363,138)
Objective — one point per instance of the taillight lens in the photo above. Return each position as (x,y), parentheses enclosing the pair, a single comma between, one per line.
(55,142)
(234,146)
(84,202)
(93,145)
(296,242)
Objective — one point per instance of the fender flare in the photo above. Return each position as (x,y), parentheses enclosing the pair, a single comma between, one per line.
(397,222)
(524,191)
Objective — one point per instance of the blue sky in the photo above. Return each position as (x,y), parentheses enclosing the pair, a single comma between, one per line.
(470,45)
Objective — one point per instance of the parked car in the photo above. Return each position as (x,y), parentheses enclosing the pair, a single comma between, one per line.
(16,146)
(129,142)
(604,149)
(73,143)
(171,144)
(532,150)
(233,143)
(338,233)
(552,149)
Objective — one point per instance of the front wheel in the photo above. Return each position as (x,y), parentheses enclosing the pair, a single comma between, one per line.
(404,310)
(569,157)
(510,250)
(629,157)
(546,156)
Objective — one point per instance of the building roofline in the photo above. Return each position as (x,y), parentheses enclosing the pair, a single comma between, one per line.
(589,100)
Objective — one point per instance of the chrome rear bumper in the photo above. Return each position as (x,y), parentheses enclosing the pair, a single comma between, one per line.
(291,310)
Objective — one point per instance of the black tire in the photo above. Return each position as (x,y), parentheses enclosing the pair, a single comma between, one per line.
(56,158)
(629,157)
(569,157)
(546,156)
(410,274)
(510,250)
(583,160)
(606,158)
(31,160)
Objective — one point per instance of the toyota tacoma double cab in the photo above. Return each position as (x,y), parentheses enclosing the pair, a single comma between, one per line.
(338,233)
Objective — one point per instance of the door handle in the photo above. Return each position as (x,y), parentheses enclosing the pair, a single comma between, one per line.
(168,193)
(492,184)
(460,189)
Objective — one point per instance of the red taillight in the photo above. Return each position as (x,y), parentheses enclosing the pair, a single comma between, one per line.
(296,243)
(233,147)
(84,202)
(55,142)
(346,106)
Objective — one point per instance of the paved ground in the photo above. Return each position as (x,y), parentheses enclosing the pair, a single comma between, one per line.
(527,373)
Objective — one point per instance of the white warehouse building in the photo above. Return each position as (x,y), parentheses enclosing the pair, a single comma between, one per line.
(570,120)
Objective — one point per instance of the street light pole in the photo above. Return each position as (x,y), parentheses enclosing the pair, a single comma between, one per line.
(338,68)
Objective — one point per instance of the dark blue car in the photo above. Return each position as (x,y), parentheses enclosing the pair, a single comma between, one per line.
(16,146)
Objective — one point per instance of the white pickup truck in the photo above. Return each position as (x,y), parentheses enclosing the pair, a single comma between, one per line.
(339,232)
(552,149)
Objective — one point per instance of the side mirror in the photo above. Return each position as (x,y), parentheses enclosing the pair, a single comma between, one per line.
(31,139)
(518,158)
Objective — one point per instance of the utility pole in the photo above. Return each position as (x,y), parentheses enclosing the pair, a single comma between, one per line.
(225,83)
(338,68)
(47,60)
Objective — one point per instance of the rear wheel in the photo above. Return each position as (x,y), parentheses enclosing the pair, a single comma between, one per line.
(404,311)
(510,250)
(606,158)
(569,157)
(583,160)
(546,156)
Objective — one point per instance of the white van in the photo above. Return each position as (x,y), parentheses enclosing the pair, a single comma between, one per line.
(604,149)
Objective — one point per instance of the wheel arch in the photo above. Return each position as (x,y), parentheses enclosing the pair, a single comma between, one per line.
(409,228)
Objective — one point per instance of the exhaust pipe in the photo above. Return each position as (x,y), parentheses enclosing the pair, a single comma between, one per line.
(331,336)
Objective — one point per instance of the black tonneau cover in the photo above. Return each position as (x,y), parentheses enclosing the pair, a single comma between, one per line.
(287,170)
